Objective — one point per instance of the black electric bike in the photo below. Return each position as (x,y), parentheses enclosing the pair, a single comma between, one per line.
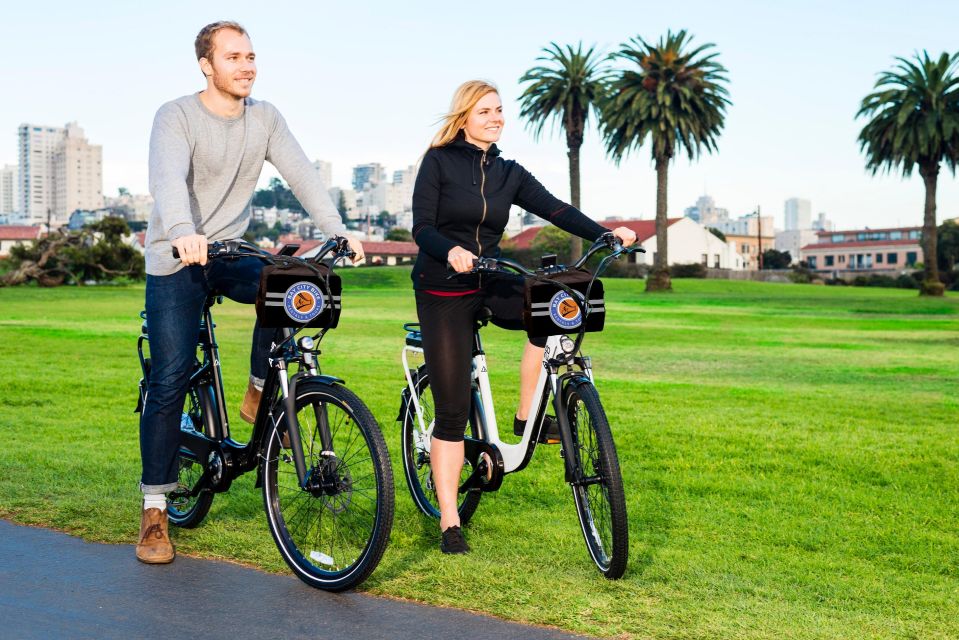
(318,452)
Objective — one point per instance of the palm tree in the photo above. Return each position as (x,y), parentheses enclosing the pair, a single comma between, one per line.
(564,90)
(675,97)
(914,113)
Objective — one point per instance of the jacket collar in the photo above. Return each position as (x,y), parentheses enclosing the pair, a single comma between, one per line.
(460,143)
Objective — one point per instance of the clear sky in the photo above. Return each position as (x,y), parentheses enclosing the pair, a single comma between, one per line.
(364,82)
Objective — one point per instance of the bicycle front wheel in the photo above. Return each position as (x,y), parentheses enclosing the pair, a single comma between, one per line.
(599,497)
(416,456)
(333,532)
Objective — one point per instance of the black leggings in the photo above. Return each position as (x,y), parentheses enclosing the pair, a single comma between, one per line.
(447,325)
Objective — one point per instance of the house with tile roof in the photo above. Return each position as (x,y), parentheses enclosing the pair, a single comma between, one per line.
(886,251)
(12,235)
(689,243)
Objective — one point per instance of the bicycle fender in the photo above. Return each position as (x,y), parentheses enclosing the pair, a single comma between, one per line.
(295,379)
(322,379)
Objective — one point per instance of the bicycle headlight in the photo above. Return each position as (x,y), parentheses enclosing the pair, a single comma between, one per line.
(566,344)
(306,343)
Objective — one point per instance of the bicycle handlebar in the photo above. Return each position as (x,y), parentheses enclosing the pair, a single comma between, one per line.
(607,240)
(243,249)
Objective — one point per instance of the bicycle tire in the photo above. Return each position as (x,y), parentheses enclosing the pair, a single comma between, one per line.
(183,510)
(601,505)
(359,500)
(416,461)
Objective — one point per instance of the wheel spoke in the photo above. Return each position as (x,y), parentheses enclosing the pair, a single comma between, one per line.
(329,528)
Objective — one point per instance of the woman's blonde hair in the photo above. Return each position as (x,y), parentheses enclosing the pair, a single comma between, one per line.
(465,98)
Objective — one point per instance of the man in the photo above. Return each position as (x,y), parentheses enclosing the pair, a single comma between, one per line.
(206,153)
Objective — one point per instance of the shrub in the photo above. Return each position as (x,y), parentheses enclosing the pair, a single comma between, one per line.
(801,274)
(694,270)
(906,281)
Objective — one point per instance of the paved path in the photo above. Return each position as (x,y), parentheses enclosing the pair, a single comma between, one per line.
(56,586)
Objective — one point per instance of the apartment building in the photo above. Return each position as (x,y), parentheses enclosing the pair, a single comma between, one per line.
(60,172)
(871,250)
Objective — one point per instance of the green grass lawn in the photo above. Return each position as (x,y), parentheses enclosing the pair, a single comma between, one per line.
(790,452)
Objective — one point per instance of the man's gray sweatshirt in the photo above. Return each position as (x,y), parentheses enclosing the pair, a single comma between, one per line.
(204,168)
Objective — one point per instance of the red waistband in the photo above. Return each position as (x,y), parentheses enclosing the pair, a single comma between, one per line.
(451,294)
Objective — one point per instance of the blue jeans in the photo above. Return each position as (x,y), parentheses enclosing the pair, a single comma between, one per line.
(174,305)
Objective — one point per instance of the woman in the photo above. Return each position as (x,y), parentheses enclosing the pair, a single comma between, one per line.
(461,202)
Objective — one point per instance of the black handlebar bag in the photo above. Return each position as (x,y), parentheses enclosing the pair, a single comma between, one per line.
(550,311)
(294,296)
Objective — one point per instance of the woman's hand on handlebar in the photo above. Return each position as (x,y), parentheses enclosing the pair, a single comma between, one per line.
(192,249)
(625,235)
(460,259)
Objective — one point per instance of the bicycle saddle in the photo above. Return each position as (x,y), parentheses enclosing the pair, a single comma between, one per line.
(483,315)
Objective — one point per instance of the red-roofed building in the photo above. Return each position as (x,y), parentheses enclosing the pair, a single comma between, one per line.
(12,235)
(689,242)
(869,250)
(377,253)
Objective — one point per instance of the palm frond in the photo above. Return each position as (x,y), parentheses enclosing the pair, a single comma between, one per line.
(564,90)
(671,93)
(913,116)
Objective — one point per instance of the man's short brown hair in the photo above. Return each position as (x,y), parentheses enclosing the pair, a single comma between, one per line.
(204,39)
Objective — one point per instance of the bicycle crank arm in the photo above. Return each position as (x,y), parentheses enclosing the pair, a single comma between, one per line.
(488,467)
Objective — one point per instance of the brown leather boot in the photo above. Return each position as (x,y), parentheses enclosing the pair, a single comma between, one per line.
(251,402)
(154,546)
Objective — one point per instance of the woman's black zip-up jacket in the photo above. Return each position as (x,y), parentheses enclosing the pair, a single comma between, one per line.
(462,197)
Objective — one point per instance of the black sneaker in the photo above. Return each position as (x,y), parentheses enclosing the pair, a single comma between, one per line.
(549,434)
(453,541)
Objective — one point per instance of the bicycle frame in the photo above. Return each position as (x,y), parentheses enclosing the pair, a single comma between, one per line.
(509,458)
(515,456)
(222,457)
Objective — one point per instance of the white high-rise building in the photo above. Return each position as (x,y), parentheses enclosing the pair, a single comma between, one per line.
(403,180)
(798,214)
(706,212)
(9,202)
(367,176)
(59,173)
(37,189)
(822,223)
(745,226)
(325,169)
(79,174)
(348,197)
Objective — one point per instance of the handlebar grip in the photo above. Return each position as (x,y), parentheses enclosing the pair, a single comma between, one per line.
(176,253)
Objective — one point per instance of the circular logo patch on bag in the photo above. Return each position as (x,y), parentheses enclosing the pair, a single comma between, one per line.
(564,311)
(303,301)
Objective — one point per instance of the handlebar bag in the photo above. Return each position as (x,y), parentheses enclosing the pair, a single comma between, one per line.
(294,296)
(550,311)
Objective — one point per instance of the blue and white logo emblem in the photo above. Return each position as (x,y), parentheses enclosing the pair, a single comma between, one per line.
(564,311)
(303,301)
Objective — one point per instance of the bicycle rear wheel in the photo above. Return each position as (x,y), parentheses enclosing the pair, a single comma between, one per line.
(416,456)
(332,533)
(184,509)
(600,499)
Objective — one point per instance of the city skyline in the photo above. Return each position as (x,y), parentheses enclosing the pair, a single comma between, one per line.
(797,74)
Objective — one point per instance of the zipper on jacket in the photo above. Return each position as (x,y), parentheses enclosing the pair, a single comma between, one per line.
(483,219)
(483,196)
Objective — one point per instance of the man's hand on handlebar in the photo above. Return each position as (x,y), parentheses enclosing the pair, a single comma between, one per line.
(357,248)
(192,249)
(460,259)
